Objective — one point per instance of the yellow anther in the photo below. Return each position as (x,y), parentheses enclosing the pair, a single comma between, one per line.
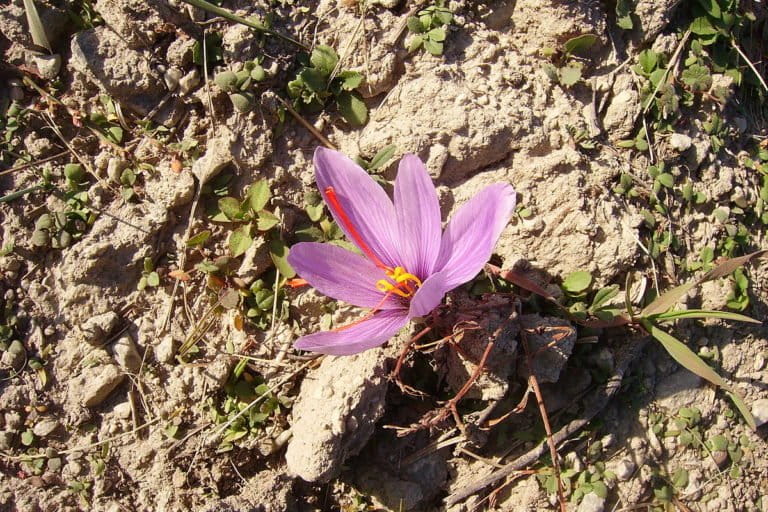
(401,276)
(385,286)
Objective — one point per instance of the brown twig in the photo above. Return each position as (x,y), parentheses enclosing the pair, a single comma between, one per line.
(306,124)
(32,164)
(534,384)
(594,404)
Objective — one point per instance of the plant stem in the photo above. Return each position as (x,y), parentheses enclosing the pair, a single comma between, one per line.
(215,9)
(15,195)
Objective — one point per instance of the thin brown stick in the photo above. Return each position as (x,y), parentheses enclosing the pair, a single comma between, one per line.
(594,404)
(306,124)
(534,384)
(32,164)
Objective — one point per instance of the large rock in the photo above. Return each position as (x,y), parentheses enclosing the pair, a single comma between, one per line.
(94,384)
(139,23)
(125,74)
(335,414)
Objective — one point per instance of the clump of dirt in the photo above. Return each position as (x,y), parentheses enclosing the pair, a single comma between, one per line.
(146,366)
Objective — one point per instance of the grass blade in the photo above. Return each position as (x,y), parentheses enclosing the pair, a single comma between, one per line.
(728,266)
(666,300)
(702,313)
(36,28)
(218,11)
(688,359)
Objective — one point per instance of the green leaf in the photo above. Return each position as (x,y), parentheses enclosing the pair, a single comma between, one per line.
(313,79)
(577,282)
(266,221)
(415,44)
(625,22)
(115,133)
(36,27)
(382,157)
(570,74)
(580,43)
(240,240)
(230,207)
(702,313)
(226,80)
(74,173)
(352,108)
(27,438)
(433,47)
(712,7)
(697,77)
(199,239)
(666,179)
(350,80)
(315,212)
(414,25)
(688,359)
(153,279)
(604,295)
(324,59)
(648,60)
(703,27)
(437,34)
(278,251)
(258,195)
(666,300)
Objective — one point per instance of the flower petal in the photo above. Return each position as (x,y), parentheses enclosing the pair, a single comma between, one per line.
(471,234)
(365,203)
(430,294)
(356,338)
(418,217)
(340,274)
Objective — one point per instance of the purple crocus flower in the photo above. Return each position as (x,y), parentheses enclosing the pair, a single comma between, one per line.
(408,262)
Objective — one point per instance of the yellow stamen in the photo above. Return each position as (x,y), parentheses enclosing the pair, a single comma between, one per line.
(404,283)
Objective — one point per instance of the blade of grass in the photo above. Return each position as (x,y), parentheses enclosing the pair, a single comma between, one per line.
(36,28)
(666,300)
(218,11)
(725,268)
(688,359)
(19,193)
(702,313)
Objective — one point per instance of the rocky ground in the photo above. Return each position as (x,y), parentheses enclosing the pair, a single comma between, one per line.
(146,356)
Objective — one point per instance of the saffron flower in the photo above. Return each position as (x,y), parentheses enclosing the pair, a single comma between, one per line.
(408,263)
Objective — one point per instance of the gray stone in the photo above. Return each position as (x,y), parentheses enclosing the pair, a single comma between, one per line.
(619,118)
(96,329)
(13,420)
(760,411)
(624,469)
(216,157)
(45,427)
(6,439)
(335,414)
(591,503)
(550,343)
(125,74)
(165,350)
(125,354)
(48,65)
(172,76)
(95,384)
(680,142)
(189,81)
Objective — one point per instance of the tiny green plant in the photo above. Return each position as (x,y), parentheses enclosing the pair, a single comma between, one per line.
(239,84)
(565,66)
(319,81)
(250,212)
(149,276)
(428,28)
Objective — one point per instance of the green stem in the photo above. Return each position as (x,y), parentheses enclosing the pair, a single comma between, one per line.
(215,9)
(15,195)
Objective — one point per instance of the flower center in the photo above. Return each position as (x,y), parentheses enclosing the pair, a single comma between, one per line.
(400,282)
(405,284)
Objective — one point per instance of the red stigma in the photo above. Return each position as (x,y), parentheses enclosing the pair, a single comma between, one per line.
(336,208)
